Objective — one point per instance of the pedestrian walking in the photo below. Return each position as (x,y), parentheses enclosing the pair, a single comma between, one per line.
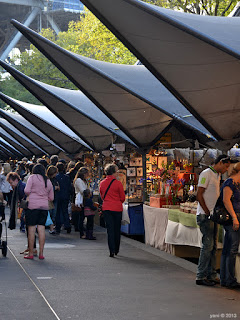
(112,194)
(39,190)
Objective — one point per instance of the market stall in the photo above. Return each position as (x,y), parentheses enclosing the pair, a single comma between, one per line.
(175,232)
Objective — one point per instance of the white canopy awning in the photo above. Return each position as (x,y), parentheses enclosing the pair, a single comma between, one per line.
(129,95)
(11,140)
(74,109)
(10,147)
(24,126)
(195,57)
(21,138)
(45,121)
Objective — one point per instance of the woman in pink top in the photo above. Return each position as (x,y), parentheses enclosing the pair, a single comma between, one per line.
(39,190)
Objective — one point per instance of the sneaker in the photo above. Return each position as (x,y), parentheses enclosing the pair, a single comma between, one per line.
(205,282)
(216,280)
(53,232)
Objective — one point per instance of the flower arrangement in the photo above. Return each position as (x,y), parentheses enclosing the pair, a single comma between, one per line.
(175,187)
(187,165)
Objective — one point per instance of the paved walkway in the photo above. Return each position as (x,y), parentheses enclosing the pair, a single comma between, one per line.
(78,280)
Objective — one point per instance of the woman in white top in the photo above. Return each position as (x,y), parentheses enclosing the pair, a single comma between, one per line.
(6,188)
(80,184)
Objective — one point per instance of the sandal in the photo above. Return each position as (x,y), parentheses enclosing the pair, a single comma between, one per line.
(28,257)
(41,257)
(25,252)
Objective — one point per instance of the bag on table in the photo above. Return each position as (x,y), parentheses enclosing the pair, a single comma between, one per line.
(220,214)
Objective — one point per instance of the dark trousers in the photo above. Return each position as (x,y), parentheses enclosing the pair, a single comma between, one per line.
(62,216)
(113,223)
(90,222)
(80,223)
(8,197)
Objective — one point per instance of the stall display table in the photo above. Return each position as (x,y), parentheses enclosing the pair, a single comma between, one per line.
(174,231)
(182,229)
(155,222)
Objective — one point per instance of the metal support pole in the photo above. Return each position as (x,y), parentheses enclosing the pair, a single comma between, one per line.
(53,24)
(18,35)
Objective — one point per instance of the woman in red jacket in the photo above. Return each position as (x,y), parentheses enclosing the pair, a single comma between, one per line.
(112,194)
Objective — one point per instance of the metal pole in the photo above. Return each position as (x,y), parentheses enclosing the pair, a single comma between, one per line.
(18,35)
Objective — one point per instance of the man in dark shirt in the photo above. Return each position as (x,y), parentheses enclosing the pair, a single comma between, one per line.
(63,198)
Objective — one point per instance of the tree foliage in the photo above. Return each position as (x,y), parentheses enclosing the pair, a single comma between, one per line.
(203,7)
(87,37)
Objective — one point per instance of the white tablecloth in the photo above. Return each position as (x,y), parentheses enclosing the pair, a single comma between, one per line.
(162,233)
(155,224)
(176,233)
(125,216)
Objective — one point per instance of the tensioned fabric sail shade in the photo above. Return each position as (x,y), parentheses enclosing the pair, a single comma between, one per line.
(74,109)
(128,95)
(31,132)
(195,57)
(20,137)
(16,144)
(48,123)
(10,147)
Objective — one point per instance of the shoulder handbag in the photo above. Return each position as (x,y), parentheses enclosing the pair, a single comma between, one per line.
(220,214)
(76,208)
(108,188)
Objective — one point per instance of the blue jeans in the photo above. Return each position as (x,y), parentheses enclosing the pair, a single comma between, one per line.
(228,258)
(62,216)
(207,260)
(53,212)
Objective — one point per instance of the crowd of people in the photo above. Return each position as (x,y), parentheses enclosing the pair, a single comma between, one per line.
(57,194)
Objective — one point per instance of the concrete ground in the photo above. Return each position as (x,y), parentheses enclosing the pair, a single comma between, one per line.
(78,280)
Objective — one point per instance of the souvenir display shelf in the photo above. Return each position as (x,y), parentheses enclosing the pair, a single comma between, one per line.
(134,180)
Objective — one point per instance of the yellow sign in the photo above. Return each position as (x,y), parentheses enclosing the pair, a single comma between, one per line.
(166,138)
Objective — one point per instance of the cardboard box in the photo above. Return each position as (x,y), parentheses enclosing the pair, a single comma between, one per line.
(159,201)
